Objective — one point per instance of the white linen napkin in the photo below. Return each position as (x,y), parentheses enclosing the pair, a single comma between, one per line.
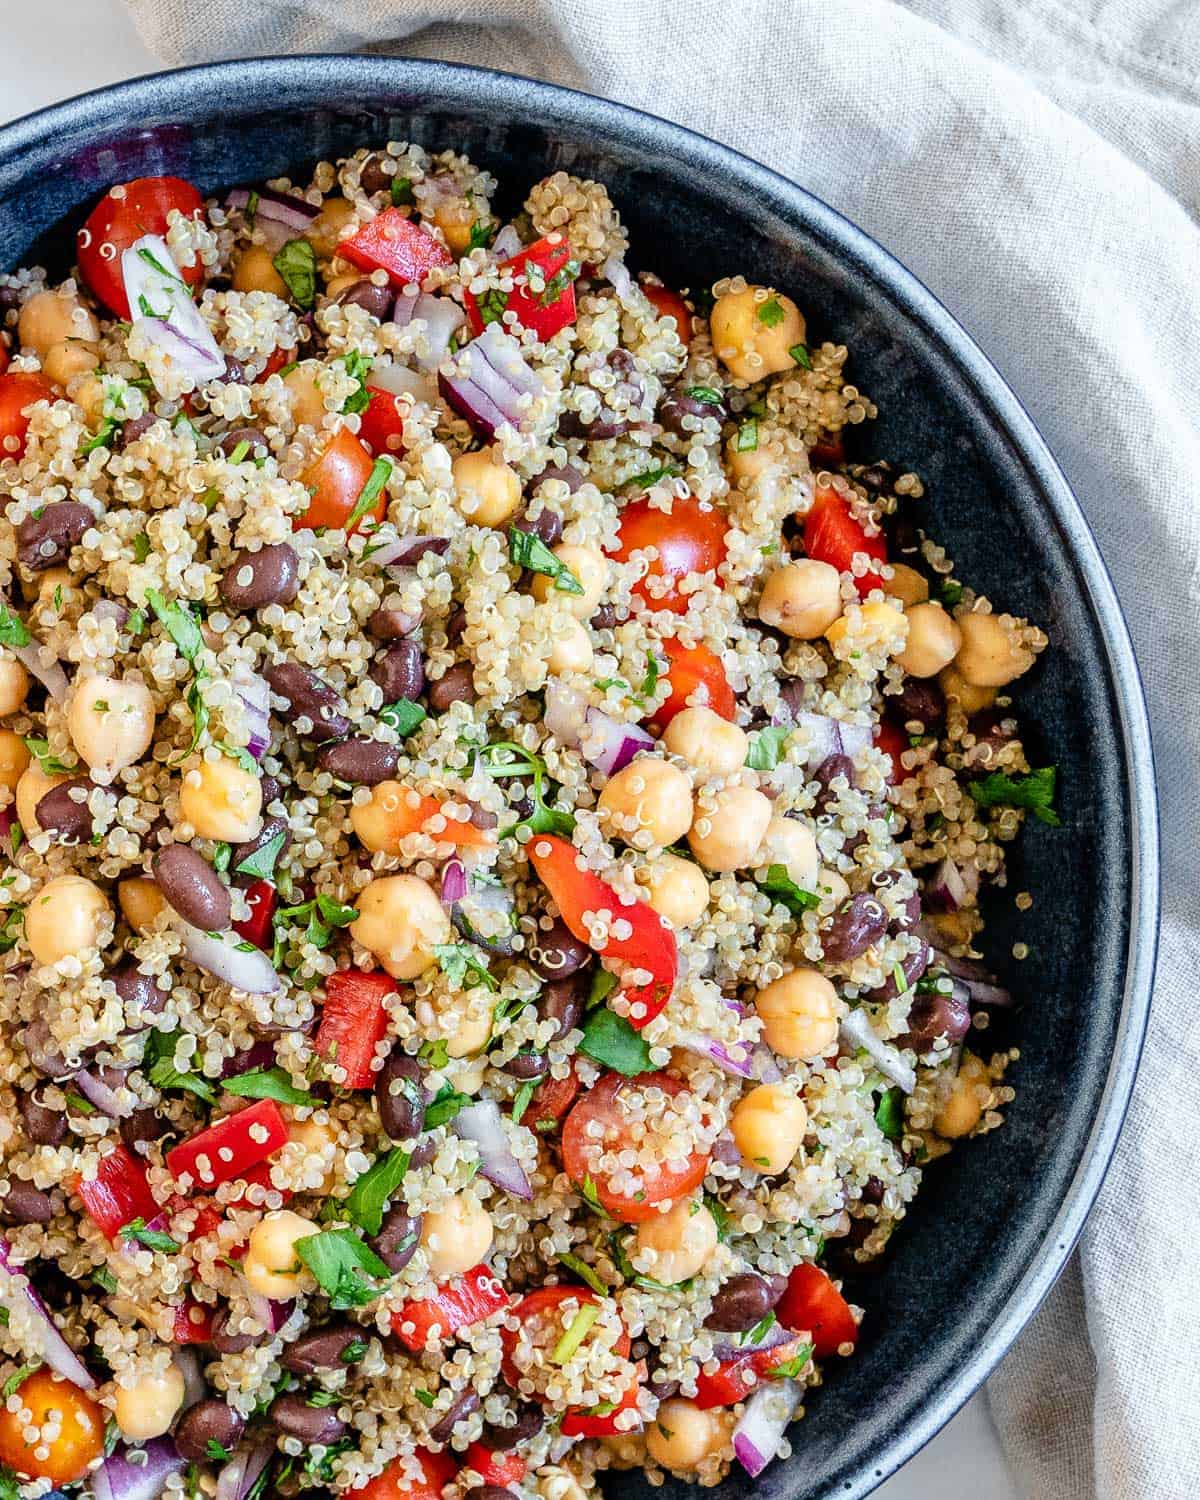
(1037,164)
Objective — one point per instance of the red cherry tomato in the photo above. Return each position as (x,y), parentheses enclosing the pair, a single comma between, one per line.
(276,362)
(550,1101)
(335,479)
(381,425)
(601,1107)
(18,391)
(69,1412)
(126,213)
(689,540)
(546,1321)
(457,1304)
(354,1020)
(256,929)
(893,741)
(437,1470)
(5,356)
(832,535)
(669,304)
(193,1322)
(695,674)
(736,1378)
(602,1421)
(813,1305)
(397,245)
(494,1467)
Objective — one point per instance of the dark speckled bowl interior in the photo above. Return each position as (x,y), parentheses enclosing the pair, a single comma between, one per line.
(995,1222)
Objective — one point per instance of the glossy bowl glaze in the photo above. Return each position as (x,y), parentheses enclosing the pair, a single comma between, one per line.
(996,1221)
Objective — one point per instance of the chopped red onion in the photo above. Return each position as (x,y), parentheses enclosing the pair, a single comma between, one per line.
(228,958)
(46,1340)
(454,881)
(119,1478)
(857,1031)
(110,609)
(826,736)
(732,1346)
(609,745)
(405,551)
(616,272)
(737,1062)
(255,696)
(8,816)
(491,393)
(982,992)
(949,888)
(399,380)
(761,1426)
(566,712)
(442,316)
(271,1312)
(481,1123)
(766,1069)
(97,1092)
(260,1054)
(507,243)
(239,1476)
(980,986)
(282,209)
(164,312)
(194,1388)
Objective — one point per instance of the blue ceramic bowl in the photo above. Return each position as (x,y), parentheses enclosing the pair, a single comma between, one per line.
(996,1221)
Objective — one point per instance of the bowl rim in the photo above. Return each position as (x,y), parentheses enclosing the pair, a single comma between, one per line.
(462,83)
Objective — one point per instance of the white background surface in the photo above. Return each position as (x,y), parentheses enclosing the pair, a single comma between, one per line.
(51,52)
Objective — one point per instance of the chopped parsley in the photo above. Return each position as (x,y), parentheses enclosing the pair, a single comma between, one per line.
(344,1266)
(12,629)
(780,886)
(507,758)
(747,438)
(950,592)
(17,1379)
(766,747)
(217,1451)
(604,982)
(792,1368)
(759,1331)
(322,914)
(770,312)
(357,366)
(103,437)
(464,966)
(267,1083)
(260,865)
(153,1239)
(403,716)
(179,623)
(483,232)
(580,1327)
(50,765)
(370,492)
(402,191)
(492,306)
(585,1273)
(529,551)
(610,1040)
(559,282)
(158,1063)
(426,1398)
(521,1099)
(705,394)
(443,1109)
(1035,792)
(644,480)
(296,263)
(368,1199)
(800,354)
(587,1190)
(889,1113)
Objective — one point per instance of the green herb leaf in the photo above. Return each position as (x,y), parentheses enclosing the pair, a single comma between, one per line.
(77,1104)
(323,1398)
(158,1064)
(426,1398)
(766,747)
(794,1367)
(507,758)
(368,1199)
(529,551)
(770,313)
(587,1190)
(266,1083)
(358,367)
(759,1331)
(1035,792)
(747,438)
(483,232)
(464,966)
(653,476)
(521,1099)
(261,864)
(492,305)
(403,716)
(559,282)
(241,755)
(580,1327)
(950,592)
(12,629)
(50,765)
(354,1350)
(15,1380)
(345,1267)
(179,623)
(603,984)
(296,263)
(217,1451)
(704,393)
(443,1109)
(104,1279)
(800,354)
(153,1239)
(103,437)
(402,191)
(611,1041)
(779,885)
(222,854)
(889,1113)
(370,492)
(585,1273)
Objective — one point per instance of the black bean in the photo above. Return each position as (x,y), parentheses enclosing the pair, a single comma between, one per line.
(271,828)
(455,626)
(486,1491)
(388,624)
(192,887)
(422,1154)
(141,1127)
(904,538)
(26,1204)
(293,1416)
(994,729)
(59,813)
(791,696)
(827,772)
(604,618)
(457,686)
(603,425)
(209,1421)
(364,761)
(525,1065)
(44,1126)
(377,300)
(235,371)
(141,994)
(371,176)
(256,445)
(557,953)
(920,699)
(529,1419)
(679,404)
(400,1096)
(561,1001)
(463,1406)
(307,696)
(225,1342)
(269,576)
(44,540)
(137,427)
(396,1243)
(873,1190)
(936,1015)
(876,478)
(271,791)
(10,298)
(912,967)
(483,817)
(324,1349)
(568,473)
(43,1051)
(741,1303)
(664,1389)
(547,526)
(400,671)
(861,921)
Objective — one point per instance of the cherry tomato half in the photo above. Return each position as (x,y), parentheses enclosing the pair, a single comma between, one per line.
(893,741)
(19,390)
(550,1102)
(695,673)
(689,540)
(335,479)
(437,1470)
(78,1418)
(669,304)
(544,1323)
(381,425)
(602,1107)
(833,535)
(813,1305)
(126,213)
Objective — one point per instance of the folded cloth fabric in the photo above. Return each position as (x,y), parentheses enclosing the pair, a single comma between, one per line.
(1037,163)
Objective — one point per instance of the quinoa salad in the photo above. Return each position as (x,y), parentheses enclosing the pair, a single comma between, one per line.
(495,801)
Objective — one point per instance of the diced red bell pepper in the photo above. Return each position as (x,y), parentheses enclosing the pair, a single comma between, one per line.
(277,361)
(893,741)
(118,1193)
(494,1467)
(193,1322)
(600,1422)
(231,1146)
(437,1470)
(354,1020)
(813,1305)
(649,944)
(552,256)
(461,1303)
(256,929)
(550,1101)
(381,425)
(696,678)
(832,535)
(395,244)
(738,1377)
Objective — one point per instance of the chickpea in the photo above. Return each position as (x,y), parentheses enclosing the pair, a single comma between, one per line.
(768,1126)
(316,1140)
(589,567)
(729,837)
(14,758)
(799,1014)
(221,800)
(454,216)
(488,490)
(332,225)
(649,802)
(754,330)
(111,722)
(456,1236)
(933,640)
(989,656)
(51,317)
(963,1109)
(572,649)
(147,1408)
(678,889)
(801,598)
(907,585)
(682,1435)
(748,464)
(308,399)
(879,624)
(472,1028)
(72,357)
(832,888)
(557,1482)
(89,396)
(401,921)
(67,918)
(682,1240)
(789,843)
(707,741)
(271,1265)
(48,584)
(31,788)
(141,902)
(970,699)
(255,272)
(14,685)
